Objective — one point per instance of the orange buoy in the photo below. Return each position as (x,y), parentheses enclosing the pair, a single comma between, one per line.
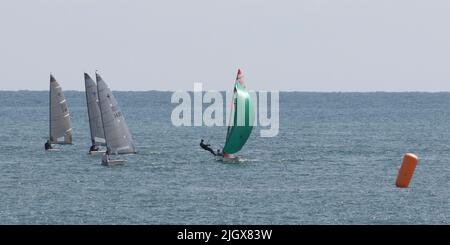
(406,171)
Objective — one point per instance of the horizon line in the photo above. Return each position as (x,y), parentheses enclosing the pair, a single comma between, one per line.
(282,91)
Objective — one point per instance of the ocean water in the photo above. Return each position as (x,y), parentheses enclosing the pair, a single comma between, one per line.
(334,161)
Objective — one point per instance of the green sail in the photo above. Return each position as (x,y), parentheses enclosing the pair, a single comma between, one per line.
(243,116)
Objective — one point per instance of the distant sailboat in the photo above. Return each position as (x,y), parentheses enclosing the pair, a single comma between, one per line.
(241,120)
(95,118)
(117,136)
(59,116)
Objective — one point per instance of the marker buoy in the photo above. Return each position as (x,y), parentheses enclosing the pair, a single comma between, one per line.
(406,171)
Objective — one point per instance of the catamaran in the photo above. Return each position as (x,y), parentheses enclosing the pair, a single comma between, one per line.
(95,118)
(59,117)
(241,121)
(117,136)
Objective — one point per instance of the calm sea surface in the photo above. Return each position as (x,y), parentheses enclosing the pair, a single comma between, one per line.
(334,161)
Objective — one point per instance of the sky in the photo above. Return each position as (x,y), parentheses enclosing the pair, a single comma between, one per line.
(299,45)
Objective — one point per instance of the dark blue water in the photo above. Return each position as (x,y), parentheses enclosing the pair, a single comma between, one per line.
(334,161)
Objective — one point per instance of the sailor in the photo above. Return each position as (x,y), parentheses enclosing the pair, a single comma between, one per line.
(206,147)
(47,145)
(219,153)
(105,157)
(93,148)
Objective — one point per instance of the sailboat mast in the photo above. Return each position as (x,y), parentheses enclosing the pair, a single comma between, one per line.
(231,113)
(233,104)
(50,110)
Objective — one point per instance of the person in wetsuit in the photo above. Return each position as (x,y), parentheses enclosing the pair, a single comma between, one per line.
(105,157)
(219,153)
(48,146)
(93,148)
(206,147)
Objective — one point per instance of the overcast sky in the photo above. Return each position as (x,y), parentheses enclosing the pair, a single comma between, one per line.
(310,45)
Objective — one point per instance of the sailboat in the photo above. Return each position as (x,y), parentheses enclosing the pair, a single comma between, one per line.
(117,136)
(95,118)
(59,117)
(241,120)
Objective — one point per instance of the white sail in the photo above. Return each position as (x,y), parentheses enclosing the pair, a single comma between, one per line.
(95,119)
(117,135)
(60,130)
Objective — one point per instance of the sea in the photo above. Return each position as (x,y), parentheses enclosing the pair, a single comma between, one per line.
(334,161)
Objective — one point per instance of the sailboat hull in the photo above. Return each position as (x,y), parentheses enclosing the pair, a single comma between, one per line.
(228,158)
(54,149)
(97,152)
(114,162)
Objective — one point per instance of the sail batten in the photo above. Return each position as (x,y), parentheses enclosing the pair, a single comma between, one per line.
(117,136)
(95,120)
(59,116)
